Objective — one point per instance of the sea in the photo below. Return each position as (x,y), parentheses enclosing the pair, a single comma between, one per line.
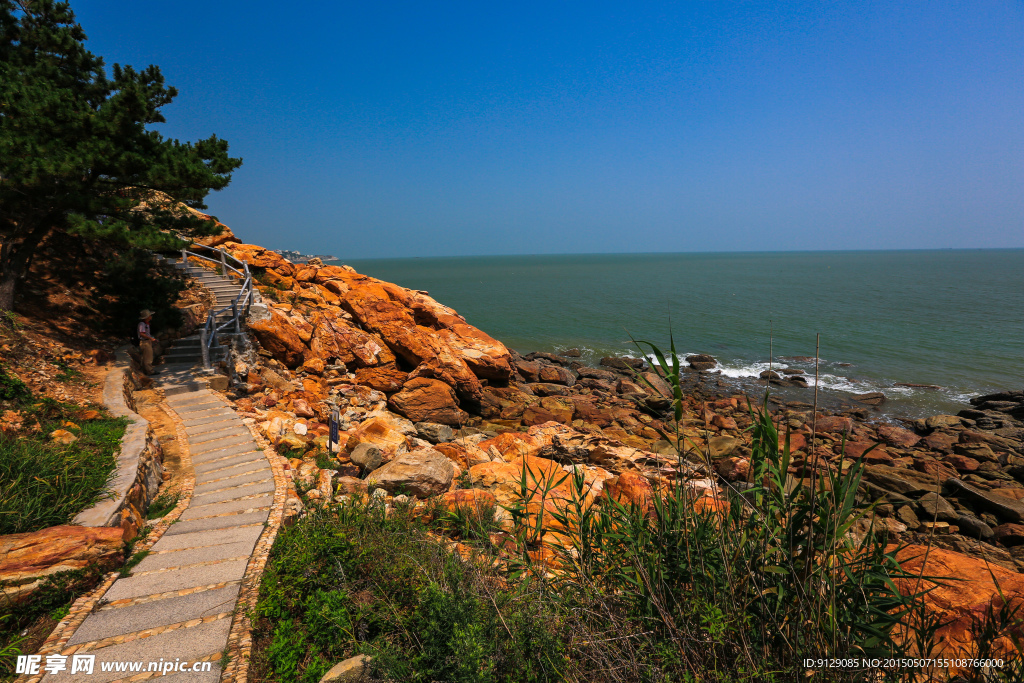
(950,320)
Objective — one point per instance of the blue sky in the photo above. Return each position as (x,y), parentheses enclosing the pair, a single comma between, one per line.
(424,129)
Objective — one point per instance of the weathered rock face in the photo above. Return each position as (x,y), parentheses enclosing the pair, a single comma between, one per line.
(428,400)
(387,378)
(25,559)
(422,473)
(333,337)
(259,257)
(959,602)
(381,433)
(278,336)
(632,488)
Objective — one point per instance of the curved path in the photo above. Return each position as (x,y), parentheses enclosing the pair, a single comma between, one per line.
(177,604)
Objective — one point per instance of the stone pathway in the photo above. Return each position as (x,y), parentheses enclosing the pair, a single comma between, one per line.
(178,603)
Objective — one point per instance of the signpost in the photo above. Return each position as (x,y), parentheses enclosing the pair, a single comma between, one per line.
(333,422)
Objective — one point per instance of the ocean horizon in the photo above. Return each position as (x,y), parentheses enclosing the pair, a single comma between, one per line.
(946,318)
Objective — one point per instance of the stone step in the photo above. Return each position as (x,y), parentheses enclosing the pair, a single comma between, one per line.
(108,623)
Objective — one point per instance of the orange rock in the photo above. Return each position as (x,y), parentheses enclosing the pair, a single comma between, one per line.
(329,297)
(797,441)
(476,501)
(305,273)
(262,258)
(723,422)
(335,337)
(428,400)
(278,336)
(632,488)
(382,308)
(709,504)
(962,601)
(387,378)
(63,437)
(28,557)
(314,365)
(381,433)
(896,436)
(279,282)
(462,456)
(486,357)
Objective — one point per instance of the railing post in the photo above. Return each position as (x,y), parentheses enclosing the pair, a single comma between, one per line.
(204,349)
(223,264)
(184,258)
(234,312)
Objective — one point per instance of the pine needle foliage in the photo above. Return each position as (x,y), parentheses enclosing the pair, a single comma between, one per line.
(77,153)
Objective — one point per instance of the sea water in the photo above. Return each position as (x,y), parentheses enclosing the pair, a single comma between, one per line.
(952,319)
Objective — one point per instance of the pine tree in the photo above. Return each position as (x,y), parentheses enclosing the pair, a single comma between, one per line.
(75,152)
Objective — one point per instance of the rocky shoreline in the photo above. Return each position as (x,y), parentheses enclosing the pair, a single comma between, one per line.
(431,405)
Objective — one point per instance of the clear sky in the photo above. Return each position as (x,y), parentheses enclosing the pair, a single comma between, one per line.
(384,129)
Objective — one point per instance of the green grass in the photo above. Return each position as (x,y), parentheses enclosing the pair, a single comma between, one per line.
(43,483)
(162,504)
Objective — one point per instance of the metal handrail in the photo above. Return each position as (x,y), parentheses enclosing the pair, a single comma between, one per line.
(222,261)
(209,336)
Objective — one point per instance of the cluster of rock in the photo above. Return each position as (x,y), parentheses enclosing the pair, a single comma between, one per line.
(429,404)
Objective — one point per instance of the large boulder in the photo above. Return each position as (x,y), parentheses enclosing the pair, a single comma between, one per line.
(387,378)
(277,335)
(959,602)
(259,257)
(428,400)
(335,337)
(422,473)
(26,559)
(486,357)
(382,433)
(383,308)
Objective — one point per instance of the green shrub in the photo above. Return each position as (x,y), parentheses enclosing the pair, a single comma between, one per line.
(349,579)
(12,388)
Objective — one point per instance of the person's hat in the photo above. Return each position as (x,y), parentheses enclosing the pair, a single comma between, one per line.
(146,313)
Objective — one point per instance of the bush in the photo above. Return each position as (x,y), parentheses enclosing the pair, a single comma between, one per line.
(347,580)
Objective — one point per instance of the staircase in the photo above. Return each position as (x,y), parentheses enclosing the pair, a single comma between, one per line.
(180,362)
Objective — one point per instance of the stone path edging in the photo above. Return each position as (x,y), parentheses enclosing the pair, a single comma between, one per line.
(240,639)
(139,461)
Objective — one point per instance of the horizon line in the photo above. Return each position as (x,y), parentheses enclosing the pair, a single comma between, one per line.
(675,253)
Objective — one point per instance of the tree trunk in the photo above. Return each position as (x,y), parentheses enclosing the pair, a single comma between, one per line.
(15,257)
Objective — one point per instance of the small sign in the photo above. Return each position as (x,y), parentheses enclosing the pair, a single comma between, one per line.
(332,442)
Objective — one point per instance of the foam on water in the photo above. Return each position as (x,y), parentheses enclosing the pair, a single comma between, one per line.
(738,369)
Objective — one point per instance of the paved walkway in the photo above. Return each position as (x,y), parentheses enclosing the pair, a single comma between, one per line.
(177,604)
